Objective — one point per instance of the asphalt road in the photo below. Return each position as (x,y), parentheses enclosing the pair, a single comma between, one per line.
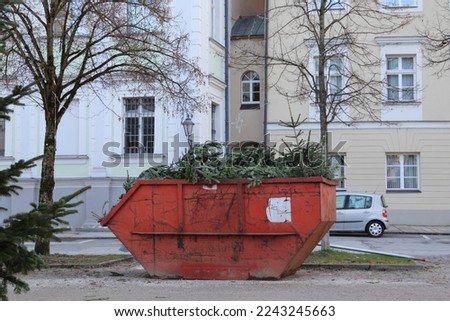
(410,245)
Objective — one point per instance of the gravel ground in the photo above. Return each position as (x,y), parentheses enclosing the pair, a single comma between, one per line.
(127,281)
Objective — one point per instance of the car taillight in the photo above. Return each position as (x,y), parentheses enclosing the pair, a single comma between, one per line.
(384,213)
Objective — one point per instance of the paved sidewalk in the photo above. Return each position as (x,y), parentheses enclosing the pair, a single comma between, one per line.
(419,229)
(104,232)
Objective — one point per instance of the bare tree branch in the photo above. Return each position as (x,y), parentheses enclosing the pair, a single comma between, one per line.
(64,46)
(315,42)
(437,40)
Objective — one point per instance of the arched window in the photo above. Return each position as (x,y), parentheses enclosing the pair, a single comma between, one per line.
(250,90)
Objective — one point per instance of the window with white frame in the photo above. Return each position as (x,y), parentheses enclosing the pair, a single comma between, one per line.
(214,108)
(331,4)
(139,135)
(400,3)
(401,78)
(338,162)
(334,69)
(250,90)
(402,171)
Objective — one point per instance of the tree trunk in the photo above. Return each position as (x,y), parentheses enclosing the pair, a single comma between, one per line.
(325,243)
(47,184)
(323,97)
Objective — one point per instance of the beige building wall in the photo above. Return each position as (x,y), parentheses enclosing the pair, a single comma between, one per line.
(421,128)
(246,54)
(247,8)
(245,124)
(432,94)
(365,146)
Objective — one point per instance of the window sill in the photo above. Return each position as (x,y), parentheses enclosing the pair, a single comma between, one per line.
(414,103)
(403,191)
(399,7)
(6,160)
(140,155)
(251,106)
(332,8)
(71,159)
(143,159)
(413,8)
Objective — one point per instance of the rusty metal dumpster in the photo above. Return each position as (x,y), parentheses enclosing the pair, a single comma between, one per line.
(176,229)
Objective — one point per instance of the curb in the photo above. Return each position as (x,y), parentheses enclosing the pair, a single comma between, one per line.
(86,236)
(306,266)
(417,232)
(104,233)
(363,267)
(90,266)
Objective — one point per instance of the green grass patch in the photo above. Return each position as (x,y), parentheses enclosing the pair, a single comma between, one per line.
(341,257)
(318,257)
(82,260)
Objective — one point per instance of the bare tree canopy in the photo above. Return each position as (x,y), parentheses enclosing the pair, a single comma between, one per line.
(437,39)
(330,54)
(64,46)
(324,53)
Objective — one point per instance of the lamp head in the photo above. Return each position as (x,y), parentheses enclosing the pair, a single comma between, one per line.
(188,126)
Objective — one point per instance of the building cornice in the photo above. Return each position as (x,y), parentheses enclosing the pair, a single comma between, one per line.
(214,81)
(215,45)
(306,126)
(399,40)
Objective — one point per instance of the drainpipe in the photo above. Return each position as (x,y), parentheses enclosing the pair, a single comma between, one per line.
(227,73)
(266,72)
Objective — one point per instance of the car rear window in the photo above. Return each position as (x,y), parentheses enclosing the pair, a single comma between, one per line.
(359,202)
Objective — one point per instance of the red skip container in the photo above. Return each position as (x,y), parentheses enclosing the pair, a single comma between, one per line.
(227,231)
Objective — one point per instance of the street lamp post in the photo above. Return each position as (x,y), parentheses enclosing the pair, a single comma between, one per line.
(188,126)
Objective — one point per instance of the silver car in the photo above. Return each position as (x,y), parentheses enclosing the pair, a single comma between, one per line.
(361,212)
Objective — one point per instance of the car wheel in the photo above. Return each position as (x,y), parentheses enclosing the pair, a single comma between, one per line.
(375,229)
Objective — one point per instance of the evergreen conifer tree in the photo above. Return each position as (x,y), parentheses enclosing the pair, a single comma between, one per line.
(42,221)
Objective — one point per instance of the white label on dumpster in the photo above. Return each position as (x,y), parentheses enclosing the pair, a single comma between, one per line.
(279,210)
